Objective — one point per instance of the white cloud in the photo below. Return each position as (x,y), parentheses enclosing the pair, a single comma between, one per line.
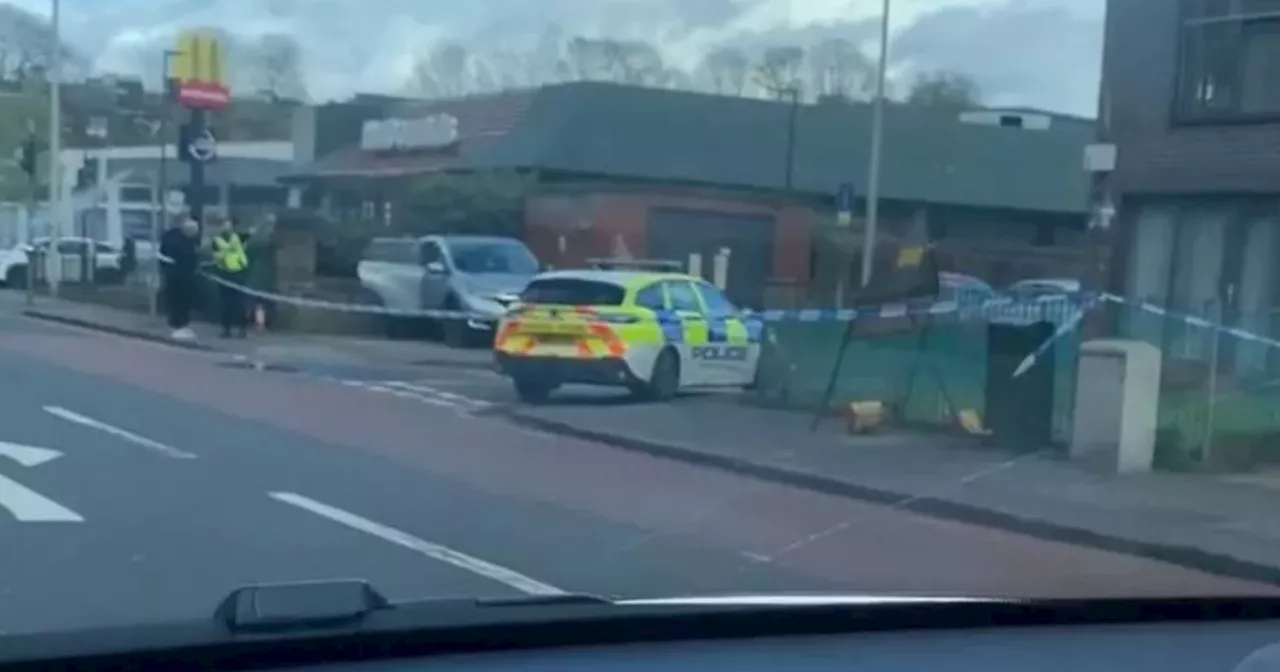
(370,45)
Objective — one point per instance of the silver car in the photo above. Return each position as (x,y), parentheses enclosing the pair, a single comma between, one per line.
(481,275)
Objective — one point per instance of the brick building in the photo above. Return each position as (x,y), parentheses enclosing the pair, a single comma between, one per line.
(661,173)
(1191,89)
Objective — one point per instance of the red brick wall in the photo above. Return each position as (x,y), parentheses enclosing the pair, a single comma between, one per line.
(624,215)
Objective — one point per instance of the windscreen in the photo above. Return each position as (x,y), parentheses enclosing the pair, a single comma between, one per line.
(492,257)
(626,297)
(570,292)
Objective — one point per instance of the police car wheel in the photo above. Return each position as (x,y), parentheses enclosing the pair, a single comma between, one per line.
(533,391)
(16,276)
(665,381)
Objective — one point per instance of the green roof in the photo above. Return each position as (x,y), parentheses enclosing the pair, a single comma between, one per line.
(631,132)
(928,154)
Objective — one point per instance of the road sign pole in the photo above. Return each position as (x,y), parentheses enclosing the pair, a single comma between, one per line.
(55,145)
(195,195)
(30,239)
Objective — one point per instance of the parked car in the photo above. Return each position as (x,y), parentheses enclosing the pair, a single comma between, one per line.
(481,275)
(107,259)
(963,289)
(1037,287)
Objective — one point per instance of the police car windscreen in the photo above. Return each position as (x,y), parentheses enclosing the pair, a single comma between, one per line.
(572,292)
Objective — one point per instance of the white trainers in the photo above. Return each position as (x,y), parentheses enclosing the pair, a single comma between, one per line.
(183,334)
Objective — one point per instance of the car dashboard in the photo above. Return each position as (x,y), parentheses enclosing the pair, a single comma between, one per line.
(1178,647)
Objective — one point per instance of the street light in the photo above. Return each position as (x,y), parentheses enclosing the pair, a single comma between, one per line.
(877,133)
(160,182)
(55,143)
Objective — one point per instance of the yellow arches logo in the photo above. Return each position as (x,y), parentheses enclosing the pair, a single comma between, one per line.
(197,71)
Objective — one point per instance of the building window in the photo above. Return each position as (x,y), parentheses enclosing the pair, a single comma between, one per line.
(1230,65)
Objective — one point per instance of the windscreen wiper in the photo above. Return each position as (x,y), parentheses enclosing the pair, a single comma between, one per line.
(313,605)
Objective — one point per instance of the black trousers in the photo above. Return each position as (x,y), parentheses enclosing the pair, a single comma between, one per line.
(178,299)
(235,313)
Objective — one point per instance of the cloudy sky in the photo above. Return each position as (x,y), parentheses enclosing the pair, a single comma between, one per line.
(1043,53)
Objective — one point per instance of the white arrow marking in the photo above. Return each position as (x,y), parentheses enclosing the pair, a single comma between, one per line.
(29,506)
(27,456)
(72,416)
(26,504)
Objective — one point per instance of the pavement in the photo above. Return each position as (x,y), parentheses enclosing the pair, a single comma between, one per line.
(277,347)
(140,483)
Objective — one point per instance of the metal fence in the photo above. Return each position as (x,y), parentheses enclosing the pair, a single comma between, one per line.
(926,369)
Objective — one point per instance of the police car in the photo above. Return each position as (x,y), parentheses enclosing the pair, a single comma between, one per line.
(655,333)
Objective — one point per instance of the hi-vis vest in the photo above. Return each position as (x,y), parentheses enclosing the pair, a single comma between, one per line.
(229,254)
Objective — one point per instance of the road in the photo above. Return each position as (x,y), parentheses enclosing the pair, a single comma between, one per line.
(177,478)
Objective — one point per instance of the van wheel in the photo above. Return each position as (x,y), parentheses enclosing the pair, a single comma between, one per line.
(665,381)
(532,391)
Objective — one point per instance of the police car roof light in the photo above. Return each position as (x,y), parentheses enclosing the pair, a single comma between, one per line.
(617,264)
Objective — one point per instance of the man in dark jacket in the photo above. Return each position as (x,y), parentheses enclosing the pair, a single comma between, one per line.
(179,258)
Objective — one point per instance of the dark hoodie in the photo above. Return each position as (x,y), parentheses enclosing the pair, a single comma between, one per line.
(182,253)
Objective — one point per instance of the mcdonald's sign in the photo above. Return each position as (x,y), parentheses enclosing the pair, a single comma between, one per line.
(196,71)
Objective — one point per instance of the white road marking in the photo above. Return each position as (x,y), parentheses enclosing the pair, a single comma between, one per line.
(436,392)
(409,394)
(27,456)
(434,551)
(156,446)
(29,506)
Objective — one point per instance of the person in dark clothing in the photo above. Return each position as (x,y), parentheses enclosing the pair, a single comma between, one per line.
(179,260)
(231,260)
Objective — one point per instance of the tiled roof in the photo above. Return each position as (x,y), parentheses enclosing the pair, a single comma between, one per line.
(677,136)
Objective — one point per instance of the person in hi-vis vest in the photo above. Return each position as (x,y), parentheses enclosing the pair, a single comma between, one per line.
(231,261)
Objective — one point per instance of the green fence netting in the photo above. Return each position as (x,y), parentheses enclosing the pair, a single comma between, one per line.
(925,371)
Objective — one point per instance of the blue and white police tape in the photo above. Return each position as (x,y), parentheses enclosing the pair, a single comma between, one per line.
(1069,325)
(1185,318)
(1195,321)
(366,308)
(1047,308)
(1050,308)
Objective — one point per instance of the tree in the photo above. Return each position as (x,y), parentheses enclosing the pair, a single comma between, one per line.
(548,63)
(726,68)
(838,68)
(23,114)
(635,62)
(951,90)
(588,58)
(512,69)
(779,70)
(24,46)
(444,72)
(279,68)
(483,202)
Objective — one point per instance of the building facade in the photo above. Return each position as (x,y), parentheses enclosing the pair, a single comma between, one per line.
(613,170)
(1191,97)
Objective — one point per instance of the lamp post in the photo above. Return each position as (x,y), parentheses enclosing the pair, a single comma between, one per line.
(877,137)
(794,92)
(55,143)
(160,183)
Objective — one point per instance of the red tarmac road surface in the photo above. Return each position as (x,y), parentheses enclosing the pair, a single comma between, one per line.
(824,537)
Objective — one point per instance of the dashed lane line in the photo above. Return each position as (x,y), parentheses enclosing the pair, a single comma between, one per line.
(137,439)
(432,550)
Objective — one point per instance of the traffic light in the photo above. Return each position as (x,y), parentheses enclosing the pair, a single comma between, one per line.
(27,157)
